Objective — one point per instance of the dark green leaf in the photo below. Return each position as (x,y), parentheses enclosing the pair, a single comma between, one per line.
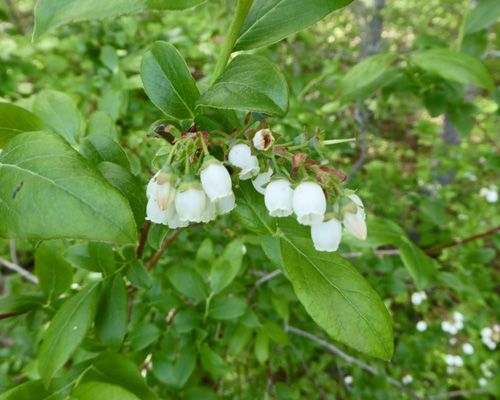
(227,308)
(184,366)
(49,191)
(187,281)
(168,82)
(35,390)
(15,120)
(272,249)
(51,13)
(54,273)
(20,303)
(66,330)
(261,346)
(227,266)
(79,257)
(212,362)
(454,66)
(249,83)
(103,257)
(99,148)
(143,335)
(269,21)
(138,275)
(205,257)
(418,264)
(101,391)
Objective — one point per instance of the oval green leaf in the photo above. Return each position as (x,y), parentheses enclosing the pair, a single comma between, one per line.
(100,148)
(49,191)
(15,120)
(101,391)
(484,14)
(249,83)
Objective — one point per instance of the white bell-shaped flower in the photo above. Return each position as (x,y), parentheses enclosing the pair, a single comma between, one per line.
(355,223)
(215,180)
(240,156)
(156,215)
(278,198)
(261,180)
(309,203)
(151,189)
(226,205)
(175,222)
(190,201)
(326,235)
(209,211)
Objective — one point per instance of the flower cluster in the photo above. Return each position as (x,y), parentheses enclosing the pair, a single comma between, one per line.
(418,297)
(195,184)
(455,325)
(491,337)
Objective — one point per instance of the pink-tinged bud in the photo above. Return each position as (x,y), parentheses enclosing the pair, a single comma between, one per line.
(190,201)
(240,156)
(326,235)
(355,223)
(263,140)
(156,215)
(309,203)
(261,180)
(215,180)
(279,198)
(226,205)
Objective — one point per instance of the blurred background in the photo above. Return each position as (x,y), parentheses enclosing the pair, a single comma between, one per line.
(430,170)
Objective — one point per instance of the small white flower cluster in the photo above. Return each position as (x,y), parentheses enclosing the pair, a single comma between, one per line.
(407,379)
(491,194)
(177,202)
(418,297)
(348,380)
(486,368)
(454,326)
(468,348)
(491,337)
(421,326)
(454,361)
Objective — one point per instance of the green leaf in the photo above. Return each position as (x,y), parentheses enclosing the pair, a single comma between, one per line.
(249,83)
(270,21)
(49,191)
(261,346)
(276,333)
(35,390)
(272,249)
(115,368)
(15,120)
(454,66)
(184,366)
(99,148)
(129,187)
(212,362)
(59,111)
(186,321)
(79,257)
(365,78)
(338,298)
(251,211)
(168,82)
(54,273)
(66,330)
(101,391)
(205,257)
(100,122)
(239,340)
(143,335)
(103,257)
(418,264)
(51,13)
(227,266)
(227,308)
(381,232)
(484,14)
(20,303)
(111,319)
(138,275)
(187,281)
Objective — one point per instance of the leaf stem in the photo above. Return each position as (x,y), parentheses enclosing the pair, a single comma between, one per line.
(239,17)
(324,142)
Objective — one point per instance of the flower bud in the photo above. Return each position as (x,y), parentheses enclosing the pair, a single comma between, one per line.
(240,156)
(326,235)
(226,205)
(190,201)
(263,140)
(355,223)
(156,215)
(261,180)
(309,203)
(215,180)
(279,198)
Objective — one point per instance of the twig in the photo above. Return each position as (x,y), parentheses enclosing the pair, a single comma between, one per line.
(378,253)
(262,280)
(164,245)
(13,252)
(364,144)
(14,267)
(144,237)
(457,393)
(469,239)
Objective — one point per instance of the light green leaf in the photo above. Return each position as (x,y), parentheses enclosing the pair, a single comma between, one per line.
(111,319)
(484,14)
(35,390)
(15,120)
(187,281)
(101,391)
(261,346)
(365,78)
(54,273)
(129,187)
(381,232)
(138,275)
(102,256)
(249,83)
(454,66)
(49,191)
(115,368)
(418,264)
(51,13)
(212,362)
(269,21)
(272,249)
(168,82)
(227,266)
(59,111)
(184,366)
(100,122)
(227,308)
(239,340)
(205,257)
(66,330)
(20,303)
(338,298)
(99,148)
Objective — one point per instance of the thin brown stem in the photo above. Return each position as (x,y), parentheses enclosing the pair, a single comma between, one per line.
(459,243)
(144,237)
(164,246)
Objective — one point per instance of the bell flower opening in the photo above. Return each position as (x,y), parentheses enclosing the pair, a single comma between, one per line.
(326,236)
(278,198)
(216,180)
(240,156)
(309,203)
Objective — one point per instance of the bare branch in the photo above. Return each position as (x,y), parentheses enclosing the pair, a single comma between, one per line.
(20,270)
(164,246)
